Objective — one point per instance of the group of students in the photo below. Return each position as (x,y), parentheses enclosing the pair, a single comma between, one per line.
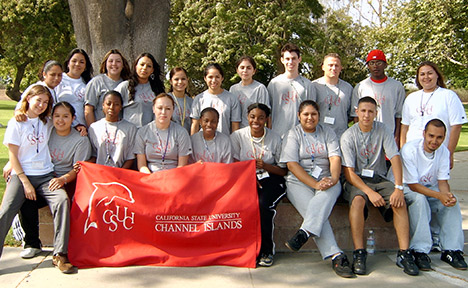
(296,131)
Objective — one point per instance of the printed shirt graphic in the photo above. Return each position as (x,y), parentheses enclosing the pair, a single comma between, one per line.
(73,91)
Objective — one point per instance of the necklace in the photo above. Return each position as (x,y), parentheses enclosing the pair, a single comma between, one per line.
(421,107)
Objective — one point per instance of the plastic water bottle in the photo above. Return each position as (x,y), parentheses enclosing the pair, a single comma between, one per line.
(371,243)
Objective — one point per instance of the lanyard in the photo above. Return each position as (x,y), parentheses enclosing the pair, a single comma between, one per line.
(108,142)
(312,153)
(331,96)
(366,143)
(421,107)
(210,156)
(36,134)
(181,114)
(262,140)
(167,143)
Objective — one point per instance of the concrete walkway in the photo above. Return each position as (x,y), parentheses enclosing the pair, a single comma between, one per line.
(289,270)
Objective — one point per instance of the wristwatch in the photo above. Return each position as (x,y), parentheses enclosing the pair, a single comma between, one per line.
(399,187)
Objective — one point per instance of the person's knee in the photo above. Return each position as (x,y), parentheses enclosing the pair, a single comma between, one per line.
(358,203)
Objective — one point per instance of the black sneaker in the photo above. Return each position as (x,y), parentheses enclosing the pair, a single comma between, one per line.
(405,260)
(422,260)
(296,242)
(359,261)
(341,266)
(454,258)
(266,260)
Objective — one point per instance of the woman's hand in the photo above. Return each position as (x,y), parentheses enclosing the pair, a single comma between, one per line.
(82,129)
(57,183)
(7,170)
(29,191)
(20,116)
(77,167)
(259,164)
(325,183)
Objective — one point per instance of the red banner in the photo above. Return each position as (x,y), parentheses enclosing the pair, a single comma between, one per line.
(197,215)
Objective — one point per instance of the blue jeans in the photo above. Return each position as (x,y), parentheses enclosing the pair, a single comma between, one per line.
(420,208)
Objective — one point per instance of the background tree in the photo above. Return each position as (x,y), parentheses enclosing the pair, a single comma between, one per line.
(131,26)
(31,32)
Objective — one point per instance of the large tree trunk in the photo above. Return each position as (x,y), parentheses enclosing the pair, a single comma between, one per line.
(132,26)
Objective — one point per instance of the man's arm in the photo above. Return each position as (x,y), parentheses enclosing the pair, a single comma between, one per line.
(397,199)
(357,182)
(444,195)
(453,141)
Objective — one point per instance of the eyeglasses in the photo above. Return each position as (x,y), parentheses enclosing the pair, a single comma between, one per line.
(377,63)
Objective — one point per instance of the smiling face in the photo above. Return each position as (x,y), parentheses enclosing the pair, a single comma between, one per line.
(291,61)
(433,138)
(309,118)
(114,66)
(144,68)
(245,70)
(76,65)
(213,80)
(37,105)
(62,119)
(53,76)
(257,119)
(428,77)
(179,82)
(111,107)
(209,124)
(163,108)
(331,67)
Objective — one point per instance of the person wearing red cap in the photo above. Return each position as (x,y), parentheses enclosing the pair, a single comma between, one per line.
(388,92)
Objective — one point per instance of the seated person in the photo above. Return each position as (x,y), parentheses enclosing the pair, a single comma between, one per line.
(426,170)
(364,147)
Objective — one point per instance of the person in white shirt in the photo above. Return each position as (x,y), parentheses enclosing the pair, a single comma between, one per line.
(426,173)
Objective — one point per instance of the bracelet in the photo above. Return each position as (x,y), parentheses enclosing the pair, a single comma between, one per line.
(20,174)
(65,177)
(399,187)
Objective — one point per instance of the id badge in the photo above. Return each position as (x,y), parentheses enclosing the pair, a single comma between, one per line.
(367,173)
(37,165)
(316,172)
(260,176)
(329,120)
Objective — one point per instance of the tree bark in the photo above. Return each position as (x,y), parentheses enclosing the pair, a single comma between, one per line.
(132,26)
(15,93)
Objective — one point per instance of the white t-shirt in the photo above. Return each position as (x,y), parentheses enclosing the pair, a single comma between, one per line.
(226,104)
(112,142)
(180,103)
(334,102)
(420,107)
(32,137)
(95,90)
(139,111)
(167,144)
(73,91)
(285,97)
(216,150)
(310,150)
(256,92)
(418,168)
(389,95)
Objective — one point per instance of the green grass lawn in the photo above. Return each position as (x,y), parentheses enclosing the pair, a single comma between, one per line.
(463,142)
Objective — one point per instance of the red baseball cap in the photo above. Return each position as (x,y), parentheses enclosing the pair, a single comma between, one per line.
(376,55)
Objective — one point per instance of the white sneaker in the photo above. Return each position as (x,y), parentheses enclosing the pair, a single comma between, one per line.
(30,252)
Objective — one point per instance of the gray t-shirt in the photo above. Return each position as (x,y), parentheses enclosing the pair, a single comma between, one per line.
(95,90)
(335,104)
(247,95)
(390,96)
(310,149)
(216,150)
(285,97)
(112,142)
(139,111)
(157,144)
(225,103)
(245,147)
(73,91)
(67,150)
(180,103)
(368,150)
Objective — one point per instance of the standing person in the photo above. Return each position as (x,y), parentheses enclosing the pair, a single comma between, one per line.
(426,170)
(288,90)
(162,144)
(112,138)
(432,101)
(179,83)
(248,90)
(114,69)
(78,72)
(333,95)
(33,170)
(388,93)
(215,96)
(139,91)
(364,147)
(66,147)
(264,146)
(313,157)
(209,145)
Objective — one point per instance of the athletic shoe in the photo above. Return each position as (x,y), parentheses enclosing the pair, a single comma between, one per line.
(454,258)
(422,260)
(405,260)
(62,263)
(359,261)
(30,252)
(297,241)
(265,260)
(436,247)
(341,266)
